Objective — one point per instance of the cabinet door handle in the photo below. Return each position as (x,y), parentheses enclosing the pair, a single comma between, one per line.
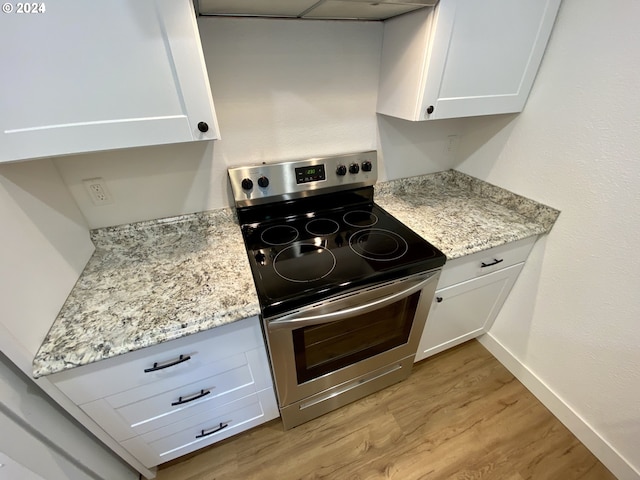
(156,367)
(495,262)
(439,299)
(203,393)
(202,434)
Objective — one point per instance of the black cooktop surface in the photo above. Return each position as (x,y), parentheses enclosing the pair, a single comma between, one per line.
(308,249)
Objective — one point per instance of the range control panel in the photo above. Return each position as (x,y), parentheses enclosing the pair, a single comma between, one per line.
(271,182)
(313,173)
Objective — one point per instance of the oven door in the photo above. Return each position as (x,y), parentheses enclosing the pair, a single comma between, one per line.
(324,345)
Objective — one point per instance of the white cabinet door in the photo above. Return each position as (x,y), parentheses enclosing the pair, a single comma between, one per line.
(463,58)
(87,76)
(465,310)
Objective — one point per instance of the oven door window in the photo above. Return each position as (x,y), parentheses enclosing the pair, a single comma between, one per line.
(325,348)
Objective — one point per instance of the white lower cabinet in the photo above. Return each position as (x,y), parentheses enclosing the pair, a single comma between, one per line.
(170,399)
(470,294)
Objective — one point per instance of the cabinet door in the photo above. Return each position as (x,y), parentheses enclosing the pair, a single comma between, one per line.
(463,58)
(465,310)
(86,76)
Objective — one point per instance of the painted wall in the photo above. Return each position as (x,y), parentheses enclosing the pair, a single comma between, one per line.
(45,245)
(572,318)
(283,89)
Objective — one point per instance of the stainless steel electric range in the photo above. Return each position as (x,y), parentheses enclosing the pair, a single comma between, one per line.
(344,287)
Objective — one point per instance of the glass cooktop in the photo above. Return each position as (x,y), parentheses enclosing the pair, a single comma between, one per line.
(305,250)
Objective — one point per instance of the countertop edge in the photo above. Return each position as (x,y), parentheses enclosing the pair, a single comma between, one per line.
(57,365)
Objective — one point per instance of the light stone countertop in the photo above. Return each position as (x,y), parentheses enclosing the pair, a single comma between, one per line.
(151,282)
(156,281)
(461,214)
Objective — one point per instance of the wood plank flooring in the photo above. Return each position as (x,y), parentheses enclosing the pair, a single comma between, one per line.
(460,415)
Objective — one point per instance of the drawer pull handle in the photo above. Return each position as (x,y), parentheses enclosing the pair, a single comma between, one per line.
(495,262)
(156,367)
(203,393)
(202,434)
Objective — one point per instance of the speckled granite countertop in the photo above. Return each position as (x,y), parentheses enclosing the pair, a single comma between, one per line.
(462,215)
(150,282)
(155,281)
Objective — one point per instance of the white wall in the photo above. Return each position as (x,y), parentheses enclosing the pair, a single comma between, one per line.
(572,318)
(45,245)
(283,89)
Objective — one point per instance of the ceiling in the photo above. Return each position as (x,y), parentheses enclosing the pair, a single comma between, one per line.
(312,9)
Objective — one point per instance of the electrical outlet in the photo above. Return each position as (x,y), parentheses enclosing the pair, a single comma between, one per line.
(98,191)
(452,144)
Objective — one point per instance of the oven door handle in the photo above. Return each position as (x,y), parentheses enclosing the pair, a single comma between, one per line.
(301,318)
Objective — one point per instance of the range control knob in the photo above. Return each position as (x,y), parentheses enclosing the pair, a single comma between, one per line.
(263,182)
(341,170)
(261,258)
(354,168)
(366,166)
(247,184)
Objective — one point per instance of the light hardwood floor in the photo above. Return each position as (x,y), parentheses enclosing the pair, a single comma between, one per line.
(460,415)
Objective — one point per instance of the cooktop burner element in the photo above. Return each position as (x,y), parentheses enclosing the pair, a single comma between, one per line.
(322,226)
(279,235)
(360,218)
(314,231)
(304,262)
(377,244)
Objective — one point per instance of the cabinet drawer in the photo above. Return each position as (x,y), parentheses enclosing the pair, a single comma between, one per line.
(131,413)
(219,385)
(125,372)
(186,436)
(485,262)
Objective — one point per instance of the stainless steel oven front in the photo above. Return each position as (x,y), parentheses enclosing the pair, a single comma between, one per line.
(333,352)
(344,287)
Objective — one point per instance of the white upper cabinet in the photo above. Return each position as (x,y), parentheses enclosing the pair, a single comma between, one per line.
(463,58)
(84,76)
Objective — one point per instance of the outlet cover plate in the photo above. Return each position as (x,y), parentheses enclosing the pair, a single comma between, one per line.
(98,191)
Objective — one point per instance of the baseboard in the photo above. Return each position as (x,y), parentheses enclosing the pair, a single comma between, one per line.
(608,455)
